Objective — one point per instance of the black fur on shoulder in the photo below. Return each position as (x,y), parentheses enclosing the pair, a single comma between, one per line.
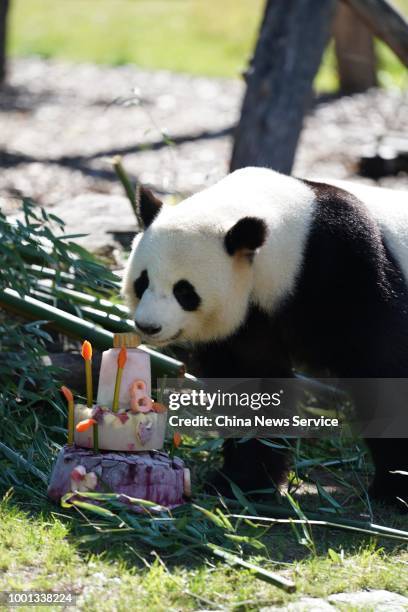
(247,235)
(147,205)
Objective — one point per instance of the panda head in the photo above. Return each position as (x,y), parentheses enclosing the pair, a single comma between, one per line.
(189,276)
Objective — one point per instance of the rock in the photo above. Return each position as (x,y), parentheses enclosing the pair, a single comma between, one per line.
(380,601)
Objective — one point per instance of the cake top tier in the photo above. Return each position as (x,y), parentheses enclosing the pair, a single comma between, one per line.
(116,379)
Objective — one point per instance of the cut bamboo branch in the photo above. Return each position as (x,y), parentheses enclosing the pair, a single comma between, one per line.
(370,529)
(109,321)
(271,577)
(70,325)
(88,300)
(281,513)
(385,22)
(48,273)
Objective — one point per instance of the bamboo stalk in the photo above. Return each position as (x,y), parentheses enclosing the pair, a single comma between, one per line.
(70,325)
(91,301)
(109,321)
(49,273)
(366,528)
(288,513)
(271,577)
(279,581)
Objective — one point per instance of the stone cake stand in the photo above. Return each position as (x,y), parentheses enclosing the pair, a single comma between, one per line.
(150,475)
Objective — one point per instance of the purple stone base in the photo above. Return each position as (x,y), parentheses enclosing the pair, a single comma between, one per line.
(151,475)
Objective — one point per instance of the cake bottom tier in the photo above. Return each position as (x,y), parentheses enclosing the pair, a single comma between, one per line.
(152,475)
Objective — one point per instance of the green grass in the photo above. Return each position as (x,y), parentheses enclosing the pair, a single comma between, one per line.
(183,35)
(195,36)
(41,552)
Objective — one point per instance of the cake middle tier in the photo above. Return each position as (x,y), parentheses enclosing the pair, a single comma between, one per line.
(121,431)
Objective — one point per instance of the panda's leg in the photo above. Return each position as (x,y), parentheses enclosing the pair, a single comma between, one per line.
(252,353)
(390,455)
(257,463)
(379,401)
(254,464)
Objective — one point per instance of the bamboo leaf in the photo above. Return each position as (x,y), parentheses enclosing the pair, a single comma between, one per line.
(239,495)
(211,516)
(334,556)
(70,500)
(245,540)
(327,497)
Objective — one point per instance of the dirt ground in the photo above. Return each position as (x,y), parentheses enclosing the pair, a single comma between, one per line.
(61,123)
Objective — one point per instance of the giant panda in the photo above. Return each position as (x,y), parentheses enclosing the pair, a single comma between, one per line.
(262,272)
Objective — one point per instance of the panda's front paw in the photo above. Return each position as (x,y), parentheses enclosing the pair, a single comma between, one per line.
(391,489)
(216,484)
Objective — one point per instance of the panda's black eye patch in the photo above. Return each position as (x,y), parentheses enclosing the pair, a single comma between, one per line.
(141,284)
(186,295)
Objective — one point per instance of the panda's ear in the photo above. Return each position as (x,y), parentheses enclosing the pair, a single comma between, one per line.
(147,205)
(247,235)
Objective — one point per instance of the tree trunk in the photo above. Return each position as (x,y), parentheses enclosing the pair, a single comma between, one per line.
(355,52)
(4,5)
(279,82)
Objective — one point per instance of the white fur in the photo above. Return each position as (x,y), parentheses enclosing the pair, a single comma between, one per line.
(187,242)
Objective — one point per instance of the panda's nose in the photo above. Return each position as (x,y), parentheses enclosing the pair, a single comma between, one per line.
(150,330)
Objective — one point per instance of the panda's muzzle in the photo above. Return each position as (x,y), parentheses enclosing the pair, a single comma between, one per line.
(149,330)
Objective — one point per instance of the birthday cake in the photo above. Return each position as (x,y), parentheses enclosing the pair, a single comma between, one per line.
(115,445)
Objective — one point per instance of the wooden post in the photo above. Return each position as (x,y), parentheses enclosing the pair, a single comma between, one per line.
(385,22)
(292,38)
(4,6)
(355,51)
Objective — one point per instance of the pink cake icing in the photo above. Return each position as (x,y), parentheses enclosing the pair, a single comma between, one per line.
(153,476)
